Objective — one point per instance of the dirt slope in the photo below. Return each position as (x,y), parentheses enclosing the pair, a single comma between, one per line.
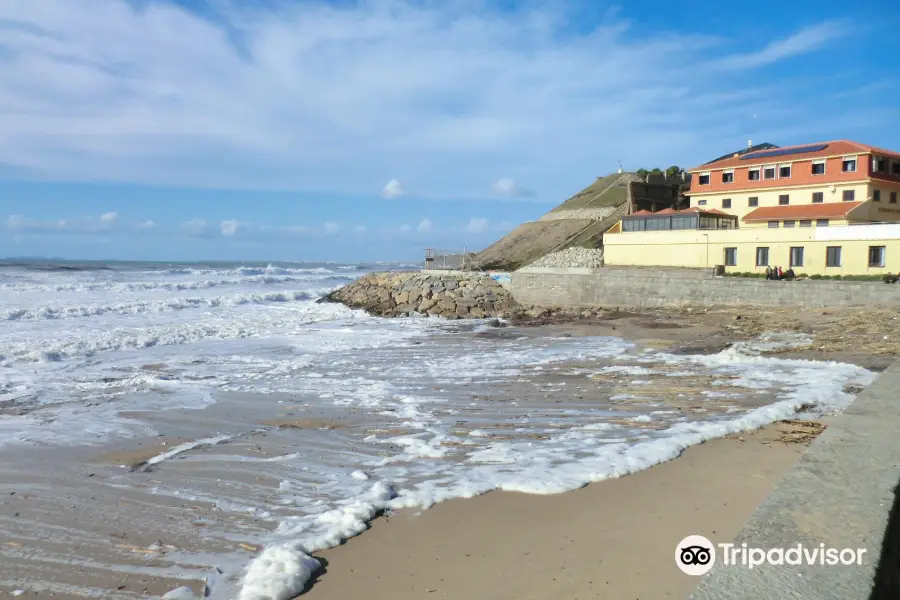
(579,221)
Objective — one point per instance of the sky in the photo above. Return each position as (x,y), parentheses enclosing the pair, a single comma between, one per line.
(369,130)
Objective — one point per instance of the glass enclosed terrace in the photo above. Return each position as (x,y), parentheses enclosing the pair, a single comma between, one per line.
(673,220)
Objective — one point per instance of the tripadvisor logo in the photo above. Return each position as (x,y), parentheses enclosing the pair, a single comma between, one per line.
(696,555)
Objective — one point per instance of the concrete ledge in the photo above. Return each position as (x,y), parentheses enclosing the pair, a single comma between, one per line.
(840,493)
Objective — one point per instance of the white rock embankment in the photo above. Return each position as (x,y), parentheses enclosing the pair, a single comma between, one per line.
(474,296)
(571,257)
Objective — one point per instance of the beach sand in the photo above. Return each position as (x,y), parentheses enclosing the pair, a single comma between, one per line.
(613,539)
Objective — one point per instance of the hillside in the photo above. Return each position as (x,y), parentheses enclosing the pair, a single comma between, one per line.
(579,221)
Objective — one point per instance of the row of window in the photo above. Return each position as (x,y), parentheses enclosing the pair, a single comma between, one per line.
(803,223)
(818,167)
(796,258)
(817,198)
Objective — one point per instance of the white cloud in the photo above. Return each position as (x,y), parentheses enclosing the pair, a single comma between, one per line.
(424,226)
(228,228)
(331,227)
(245,94)
(393,189)
(508,187)
(146,225)
(802,42)
(359,228)
(194,227)
(477,225)
(108,217)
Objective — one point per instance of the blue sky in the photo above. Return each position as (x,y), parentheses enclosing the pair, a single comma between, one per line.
(367,130)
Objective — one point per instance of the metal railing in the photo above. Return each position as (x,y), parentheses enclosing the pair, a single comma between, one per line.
(437,259)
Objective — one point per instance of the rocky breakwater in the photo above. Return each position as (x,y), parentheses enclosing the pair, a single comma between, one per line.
(474,296)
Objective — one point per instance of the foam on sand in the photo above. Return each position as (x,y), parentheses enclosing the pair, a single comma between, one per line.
(564,462)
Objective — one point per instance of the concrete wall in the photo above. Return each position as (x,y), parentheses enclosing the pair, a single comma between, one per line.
(705,249)
(659,287)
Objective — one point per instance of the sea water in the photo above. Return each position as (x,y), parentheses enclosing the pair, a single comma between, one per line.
(297,422)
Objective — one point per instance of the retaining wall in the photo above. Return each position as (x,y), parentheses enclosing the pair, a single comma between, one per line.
(637,287)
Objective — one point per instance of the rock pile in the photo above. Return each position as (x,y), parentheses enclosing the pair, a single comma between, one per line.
(474,296)
(571,257)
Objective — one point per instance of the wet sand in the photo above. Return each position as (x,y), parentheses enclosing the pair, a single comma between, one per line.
(614,539)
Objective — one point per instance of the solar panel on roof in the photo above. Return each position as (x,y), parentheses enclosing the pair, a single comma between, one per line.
(784,151)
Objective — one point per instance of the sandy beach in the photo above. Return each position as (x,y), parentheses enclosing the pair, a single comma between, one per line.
(613,539)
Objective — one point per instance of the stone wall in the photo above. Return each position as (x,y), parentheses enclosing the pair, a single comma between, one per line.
(640,287)
(452,296)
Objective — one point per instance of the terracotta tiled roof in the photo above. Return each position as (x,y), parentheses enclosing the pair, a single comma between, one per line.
(833,148)
(705,211)
(670,211)
(826,210)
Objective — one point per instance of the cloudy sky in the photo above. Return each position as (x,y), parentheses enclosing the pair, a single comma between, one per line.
(353,130)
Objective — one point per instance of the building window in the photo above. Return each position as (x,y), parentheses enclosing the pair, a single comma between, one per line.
(704,178)
(849,195)
(822,223)
(773,224)
(784,171)
(701,202)
(797,256)
(784,199)
(833,256)
(727,176)
(790,223)
(769,173)
(848,165)
(893,199)
(753,174)
(753,201)
(895,167)
(730,257)
(878,164)
(762,257)
(818,167)
(876,195)
(726,202)
(805,223)
(876,256)
(818,197)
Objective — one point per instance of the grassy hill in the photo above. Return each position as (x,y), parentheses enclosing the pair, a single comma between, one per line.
(604,192)
(554,231)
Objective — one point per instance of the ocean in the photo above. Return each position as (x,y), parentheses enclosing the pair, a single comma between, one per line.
(212,425)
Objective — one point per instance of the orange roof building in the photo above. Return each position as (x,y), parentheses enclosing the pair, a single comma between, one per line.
(828,208)
(821,173)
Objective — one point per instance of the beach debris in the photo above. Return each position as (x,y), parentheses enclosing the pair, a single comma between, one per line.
(17,593)
(800,432)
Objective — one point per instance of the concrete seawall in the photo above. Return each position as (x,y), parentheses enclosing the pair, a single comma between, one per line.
(645,288)
(841,493)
